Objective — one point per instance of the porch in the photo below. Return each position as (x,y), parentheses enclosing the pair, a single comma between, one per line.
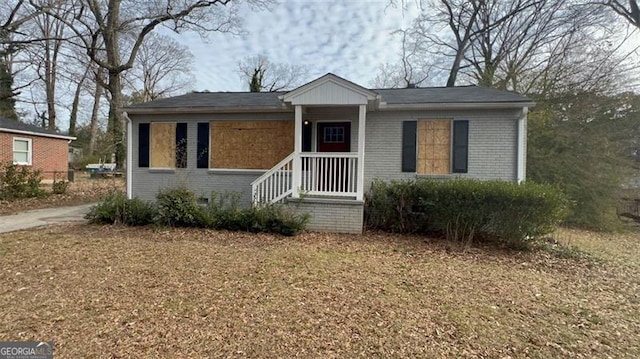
(327,161)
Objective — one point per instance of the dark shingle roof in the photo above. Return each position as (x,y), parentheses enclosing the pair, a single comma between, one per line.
(269,100)
(14,125)
(461,94)
(218,99)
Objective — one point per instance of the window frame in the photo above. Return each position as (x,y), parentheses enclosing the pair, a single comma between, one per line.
(29,151)
(411,142)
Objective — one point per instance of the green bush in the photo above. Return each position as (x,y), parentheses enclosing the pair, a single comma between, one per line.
(225,213)
(115,208)
(178,207)
(60,187)
(464,210)
(19,182)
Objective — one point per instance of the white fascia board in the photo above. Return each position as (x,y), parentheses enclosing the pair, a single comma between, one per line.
(31,133)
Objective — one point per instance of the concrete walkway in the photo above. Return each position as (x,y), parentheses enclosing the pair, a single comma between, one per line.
(43,217)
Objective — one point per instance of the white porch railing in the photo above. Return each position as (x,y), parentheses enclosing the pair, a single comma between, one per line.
(329,173)
(321,174)
(275,184)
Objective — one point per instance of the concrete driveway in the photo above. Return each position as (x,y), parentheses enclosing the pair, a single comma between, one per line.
(43,217)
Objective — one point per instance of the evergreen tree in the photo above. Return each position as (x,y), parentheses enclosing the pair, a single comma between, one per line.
(255,85)
(7,95)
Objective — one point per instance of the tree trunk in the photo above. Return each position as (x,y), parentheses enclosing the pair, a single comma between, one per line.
(94,118)
(73,117)
(455,68)
(115,124)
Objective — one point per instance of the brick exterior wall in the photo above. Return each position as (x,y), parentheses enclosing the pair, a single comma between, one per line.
(331,215)
(48,154)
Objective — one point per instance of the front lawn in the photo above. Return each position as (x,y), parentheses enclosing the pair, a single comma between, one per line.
(110,291)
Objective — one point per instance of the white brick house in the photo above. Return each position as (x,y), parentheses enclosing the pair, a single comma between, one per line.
(323,143)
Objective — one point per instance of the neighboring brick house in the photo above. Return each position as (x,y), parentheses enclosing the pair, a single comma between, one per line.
(36,147)
(321,145)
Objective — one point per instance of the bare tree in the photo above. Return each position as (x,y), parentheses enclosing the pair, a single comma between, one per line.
(263,75)
(630,13)
(45,55)
(100,26)
(543,47)
(163,68)
(413,68)
(463,20)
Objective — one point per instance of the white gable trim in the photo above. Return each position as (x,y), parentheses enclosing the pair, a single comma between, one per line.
(326,90)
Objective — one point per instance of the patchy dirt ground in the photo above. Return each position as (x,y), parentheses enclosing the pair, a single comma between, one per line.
(108,291)
(82,190)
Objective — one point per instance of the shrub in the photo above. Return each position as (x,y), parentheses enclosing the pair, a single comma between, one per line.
(19,182)
(60,187)
(464,210)
(115,208)
(277,219)
(225,213)
(178,207)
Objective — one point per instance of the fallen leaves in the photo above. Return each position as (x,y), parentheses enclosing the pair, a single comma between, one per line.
(83,190)
(144,292)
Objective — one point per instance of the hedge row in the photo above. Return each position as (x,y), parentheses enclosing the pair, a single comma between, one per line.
(178,207)
(466,210)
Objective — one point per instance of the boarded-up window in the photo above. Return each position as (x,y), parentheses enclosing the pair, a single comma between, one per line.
(434,147)
(163,145)
(250,144)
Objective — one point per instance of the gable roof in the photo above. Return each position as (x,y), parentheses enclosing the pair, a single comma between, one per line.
(13,126)
(333,86)
(397,99)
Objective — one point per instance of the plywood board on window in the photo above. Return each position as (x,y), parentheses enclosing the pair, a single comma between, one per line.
(163,145)
(434,146)
(250,144)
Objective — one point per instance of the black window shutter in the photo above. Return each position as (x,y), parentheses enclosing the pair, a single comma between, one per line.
(460,146)
(409,146)
(181,145)
(143,145)
(202,153)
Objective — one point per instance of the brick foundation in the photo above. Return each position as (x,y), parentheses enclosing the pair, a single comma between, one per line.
(331,215)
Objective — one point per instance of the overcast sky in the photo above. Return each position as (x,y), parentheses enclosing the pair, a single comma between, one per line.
(350,38)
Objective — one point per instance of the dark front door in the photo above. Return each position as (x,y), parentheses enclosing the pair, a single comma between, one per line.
(334,136)
(332,175)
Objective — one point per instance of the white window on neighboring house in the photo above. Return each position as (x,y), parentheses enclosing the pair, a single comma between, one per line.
(22,151)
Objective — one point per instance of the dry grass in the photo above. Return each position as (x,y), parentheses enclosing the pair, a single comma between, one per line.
(122,292)
(82,190)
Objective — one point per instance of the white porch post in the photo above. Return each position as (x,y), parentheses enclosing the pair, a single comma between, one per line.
(297,149)
(362,119)
(522,138)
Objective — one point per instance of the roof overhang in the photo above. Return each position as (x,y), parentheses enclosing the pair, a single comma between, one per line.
(202,110)
(454,106)
(330,90)
(39,134)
